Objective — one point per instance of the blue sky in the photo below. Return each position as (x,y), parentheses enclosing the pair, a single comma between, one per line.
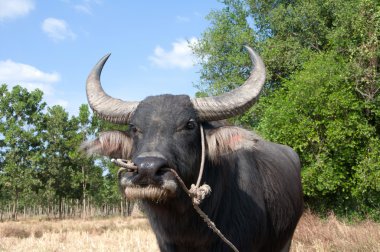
(52,45)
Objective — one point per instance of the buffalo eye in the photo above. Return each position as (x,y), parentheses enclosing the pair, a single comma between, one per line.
(191,124)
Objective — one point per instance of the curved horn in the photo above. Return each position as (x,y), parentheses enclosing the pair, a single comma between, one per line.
(236,101)
(106,107)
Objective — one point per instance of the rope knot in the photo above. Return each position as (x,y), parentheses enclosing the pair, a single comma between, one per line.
(198,194)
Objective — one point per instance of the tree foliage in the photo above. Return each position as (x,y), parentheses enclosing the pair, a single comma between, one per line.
(20,113)
(322,90)
(40,161)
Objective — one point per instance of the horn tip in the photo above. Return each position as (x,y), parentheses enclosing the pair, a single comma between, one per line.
(249,49)
(105,57)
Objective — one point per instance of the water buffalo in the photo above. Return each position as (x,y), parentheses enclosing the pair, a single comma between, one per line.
(256,198)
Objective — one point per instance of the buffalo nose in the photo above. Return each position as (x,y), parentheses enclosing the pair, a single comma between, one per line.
(150,166)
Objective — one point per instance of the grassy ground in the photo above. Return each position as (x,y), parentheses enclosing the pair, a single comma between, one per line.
(134,234)
(314,234)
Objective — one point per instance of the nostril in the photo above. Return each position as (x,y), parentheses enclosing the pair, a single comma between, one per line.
(150,166)
(160,172)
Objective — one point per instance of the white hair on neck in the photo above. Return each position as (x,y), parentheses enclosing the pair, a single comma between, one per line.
(227,139)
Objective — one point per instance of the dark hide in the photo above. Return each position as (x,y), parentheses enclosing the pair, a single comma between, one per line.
(256,198)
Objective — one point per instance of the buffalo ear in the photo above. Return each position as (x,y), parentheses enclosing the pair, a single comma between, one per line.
(227,139)
(114,144)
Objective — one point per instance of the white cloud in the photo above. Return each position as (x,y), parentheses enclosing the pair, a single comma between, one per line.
(183,19)
(13,73)
(11,9)
(57,29)
(86,6)
(180,56)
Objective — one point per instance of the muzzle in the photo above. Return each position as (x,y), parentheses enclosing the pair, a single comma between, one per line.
(146,178)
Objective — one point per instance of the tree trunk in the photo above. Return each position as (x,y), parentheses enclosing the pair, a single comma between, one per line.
(60,207)
(121,207)
(130,205)
(84,191)
(15,206)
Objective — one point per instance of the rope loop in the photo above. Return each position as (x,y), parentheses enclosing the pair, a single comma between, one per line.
(198,194)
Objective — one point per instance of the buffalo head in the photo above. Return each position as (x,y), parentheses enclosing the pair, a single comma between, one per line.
(164,131)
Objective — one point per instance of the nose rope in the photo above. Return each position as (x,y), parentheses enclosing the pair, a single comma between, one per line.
(196,192)
(203,157)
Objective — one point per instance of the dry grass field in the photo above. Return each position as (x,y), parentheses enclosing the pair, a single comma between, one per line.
(134,234)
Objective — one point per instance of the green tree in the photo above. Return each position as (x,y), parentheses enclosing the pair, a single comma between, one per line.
(90,178)
(322,90)
(21,115)
(41,166)
(318,113)
(220,49)
(58,170)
